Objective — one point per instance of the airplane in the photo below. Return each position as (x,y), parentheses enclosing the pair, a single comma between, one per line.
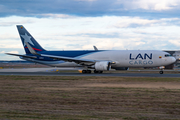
(87,60)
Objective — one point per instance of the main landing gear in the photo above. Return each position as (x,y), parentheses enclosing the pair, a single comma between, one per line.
(86,71)
(98,71)
(89,71)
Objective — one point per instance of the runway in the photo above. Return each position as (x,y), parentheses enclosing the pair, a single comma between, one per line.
(80,74)
(62,72)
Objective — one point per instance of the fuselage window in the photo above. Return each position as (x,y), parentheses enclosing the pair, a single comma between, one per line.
(167,55)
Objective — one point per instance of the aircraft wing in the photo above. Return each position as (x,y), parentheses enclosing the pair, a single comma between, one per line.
(26,56)
(85,62)
(76,60)
(68,59)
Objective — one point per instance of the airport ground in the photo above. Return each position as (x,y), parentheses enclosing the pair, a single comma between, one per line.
(51,71)
(94,98)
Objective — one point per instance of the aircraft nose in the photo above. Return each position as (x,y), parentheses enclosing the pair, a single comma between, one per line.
(173,59)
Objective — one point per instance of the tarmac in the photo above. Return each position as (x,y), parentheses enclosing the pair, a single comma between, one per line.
(54,72)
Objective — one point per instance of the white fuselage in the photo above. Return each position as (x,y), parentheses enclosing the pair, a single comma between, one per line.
(122,58)
(134,58)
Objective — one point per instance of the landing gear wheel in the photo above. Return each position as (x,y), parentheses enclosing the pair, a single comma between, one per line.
(161,72)
(95,71)
(86,71)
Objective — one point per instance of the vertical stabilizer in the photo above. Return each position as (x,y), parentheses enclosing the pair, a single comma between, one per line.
(26,37)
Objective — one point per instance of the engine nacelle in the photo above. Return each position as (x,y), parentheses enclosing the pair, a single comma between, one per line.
(103,65)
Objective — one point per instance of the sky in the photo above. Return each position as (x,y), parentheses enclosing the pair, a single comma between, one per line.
(81,24)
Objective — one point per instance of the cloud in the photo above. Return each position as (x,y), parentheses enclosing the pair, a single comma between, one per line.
(86,0)
(175,42)
(81,33)
(135,22)
(14,21)
(2,52)
(10,44)
(127,22)
(157,5)
(4,56)
(15,45)
(97,35)
(7,37)
(14,52)
(66,8)
(63,16)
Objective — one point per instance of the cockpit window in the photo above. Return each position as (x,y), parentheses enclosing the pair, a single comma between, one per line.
(167,55)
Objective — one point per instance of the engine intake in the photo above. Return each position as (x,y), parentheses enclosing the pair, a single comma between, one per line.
(103,65)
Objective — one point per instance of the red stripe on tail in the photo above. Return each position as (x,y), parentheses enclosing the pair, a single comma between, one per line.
(35,49)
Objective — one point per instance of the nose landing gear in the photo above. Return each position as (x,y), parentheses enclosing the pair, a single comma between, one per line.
(161,72)
(162,68)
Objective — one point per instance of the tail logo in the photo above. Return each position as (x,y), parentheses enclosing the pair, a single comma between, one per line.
(27,39)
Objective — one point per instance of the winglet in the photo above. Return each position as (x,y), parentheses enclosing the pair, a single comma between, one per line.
(95,48)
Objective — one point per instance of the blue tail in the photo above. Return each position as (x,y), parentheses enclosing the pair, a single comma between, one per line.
(27,37)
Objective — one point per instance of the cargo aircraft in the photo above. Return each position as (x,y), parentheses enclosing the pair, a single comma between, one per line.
(87,60)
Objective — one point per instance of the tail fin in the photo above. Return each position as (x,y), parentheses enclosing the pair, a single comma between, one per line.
(26,37)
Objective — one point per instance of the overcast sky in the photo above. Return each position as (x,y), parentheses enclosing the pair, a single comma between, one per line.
(80,24)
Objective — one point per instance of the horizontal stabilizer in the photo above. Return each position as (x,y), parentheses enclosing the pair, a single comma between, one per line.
(21,55)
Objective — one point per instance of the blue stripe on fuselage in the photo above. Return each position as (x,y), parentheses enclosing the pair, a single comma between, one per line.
(69,53)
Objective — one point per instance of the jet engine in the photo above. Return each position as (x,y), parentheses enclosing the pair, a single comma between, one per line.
(103,65)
